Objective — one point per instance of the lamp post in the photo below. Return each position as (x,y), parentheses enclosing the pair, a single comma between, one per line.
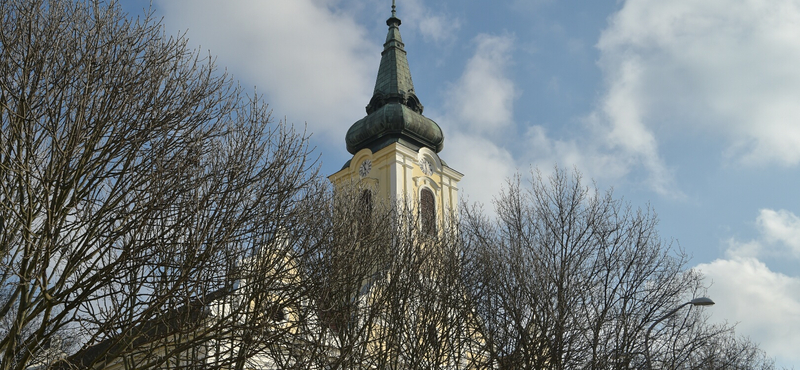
(702,301)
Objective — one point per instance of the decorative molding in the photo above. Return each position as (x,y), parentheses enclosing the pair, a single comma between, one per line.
(370,183)
(422,181)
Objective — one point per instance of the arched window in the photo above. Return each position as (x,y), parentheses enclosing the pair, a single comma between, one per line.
(427,212)
(365,208)
(433,335)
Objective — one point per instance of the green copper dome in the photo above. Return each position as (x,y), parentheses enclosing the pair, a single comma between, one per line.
(394,114)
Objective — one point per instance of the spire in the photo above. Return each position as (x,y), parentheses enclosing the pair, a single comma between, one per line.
(394,77)
(394,114)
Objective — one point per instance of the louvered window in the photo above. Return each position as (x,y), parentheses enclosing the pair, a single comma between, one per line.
(365,218)
(428,212)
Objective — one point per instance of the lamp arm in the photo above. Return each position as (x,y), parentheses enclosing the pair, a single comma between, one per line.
(650,329)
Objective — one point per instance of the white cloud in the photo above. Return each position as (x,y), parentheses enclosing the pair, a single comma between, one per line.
(489,165)
(780,237)
(479,106)
(482,101)
(436,27)
(738,249)
(544,152)
(715,67)
(480,120)
(765,304)
(596,159)
(781,227)
(312,62)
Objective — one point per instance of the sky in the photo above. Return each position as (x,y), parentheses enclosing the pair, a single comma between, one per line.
(689,107)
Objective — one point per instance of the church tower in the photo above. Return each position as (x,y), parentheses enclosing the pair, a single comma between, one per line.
(395,148)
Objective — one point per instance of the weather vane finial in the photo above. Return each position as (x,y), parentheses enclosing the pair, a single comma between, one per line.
(394,11)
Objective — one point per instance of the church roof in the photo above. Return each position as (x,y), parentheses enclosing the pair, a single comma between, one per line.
(394,114)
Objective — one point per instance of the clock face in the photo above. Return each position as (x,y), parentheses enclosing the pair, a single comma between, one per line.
(426,167)
(365,167)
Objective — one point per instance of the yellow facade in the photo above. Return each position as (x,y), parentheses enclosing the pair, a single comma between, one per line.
(397,173)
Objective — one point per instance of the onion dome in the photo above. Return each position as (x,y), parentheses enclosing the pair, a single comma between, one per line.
(394,114)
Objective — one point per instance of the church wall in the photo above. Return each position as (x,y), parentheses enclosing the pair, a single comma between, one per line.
(396,174)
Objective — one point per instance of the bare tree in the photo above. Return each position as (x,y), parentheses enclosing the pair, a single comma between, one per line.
(688,341)
(138,189)
(386,291)
(727,351)
(427,321)
(152,216)
(353,234)
(568,277)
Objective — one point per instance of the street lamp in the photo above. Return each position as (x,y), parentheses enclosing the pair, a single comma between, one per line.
(702,301)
